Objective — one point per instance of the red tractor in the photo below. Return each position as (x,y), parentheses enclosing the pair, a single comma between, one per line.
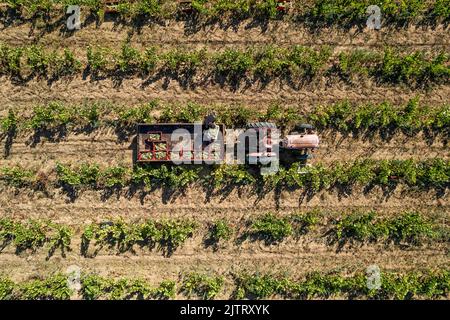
(298,145)
(208,141)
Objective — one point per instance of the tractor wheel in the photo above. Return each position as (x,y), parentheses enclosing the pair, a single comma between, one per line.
(304,126)
(257,125)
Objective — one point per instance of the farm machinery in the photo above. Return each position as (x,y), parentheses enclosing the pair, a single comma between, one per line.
(210,143)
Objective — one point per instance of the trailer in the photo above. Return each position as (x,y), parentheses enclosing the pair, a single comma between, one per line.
(156,143)
(208,143)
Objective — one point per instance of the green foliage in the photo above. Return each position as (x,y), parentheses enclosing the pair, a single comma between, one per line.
(256,286)
(414,68)
(67,176)
(65,64)
(167,290)
(233,64)
(114,177)
(231,175)
(356,63)
(98,59)
(421,175)
(6,289)
(34,234)
(235,116)
(435,172)
(429,285)
(329,11)
(271,62)
(36,60)
(441,10)
(140,114)
(128,59)
(118,234)
(341,13)
(149,61)
(410,118)
(9,124)
(55,116)
(359,227)
(51,116)
(178,61)
(169,234)
(384,118)
(10,60)
(175,233)
(283,117)
(203,286)
(190,113)
(60,238)
(174,177)
(84,176)
(17,177)
(307,62)
(349,12)
(51,288)
(303,223)
(89,114)
(418,68)
(220,230)
(271,228)
(94,287)
(409,227)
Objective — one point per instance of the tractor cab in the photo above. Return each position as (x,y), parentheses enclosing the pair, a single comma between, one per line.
(262,152)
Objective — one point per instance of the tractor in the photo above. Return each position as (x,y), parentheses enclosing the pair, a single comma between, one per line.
(208,142)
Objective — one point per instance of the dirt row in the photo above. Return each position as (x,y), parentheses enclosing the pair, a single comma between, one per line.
(81,213)
(103,146)
(136,91)
(178,33)
(201,205)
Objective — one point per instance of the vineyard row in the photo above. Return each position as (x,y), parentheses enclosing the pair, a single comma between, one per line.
(410,228)
(419,175)
(430,284)
(296,64)
(344,117)
(313,13)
